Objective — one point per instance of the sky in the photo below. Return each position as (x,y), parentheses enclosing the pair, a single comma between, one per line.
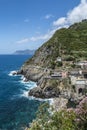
(27,24)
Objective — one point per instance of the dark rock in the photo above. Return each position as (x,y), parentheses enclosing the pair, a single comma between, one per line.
(14,73)
(48,92)
(36,92)
(19,72)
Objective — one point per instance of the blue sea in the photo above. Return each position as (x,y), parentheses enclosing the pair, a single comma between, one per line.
(17,110)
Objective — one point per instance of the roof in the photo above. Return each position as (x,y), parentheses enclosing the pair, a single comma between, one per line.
(84,71)
(56,74)
(74,72)
(81,63)
(81,82)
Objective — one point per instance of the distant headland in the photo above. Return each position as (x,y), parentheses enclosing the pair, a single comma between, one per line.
(24,52)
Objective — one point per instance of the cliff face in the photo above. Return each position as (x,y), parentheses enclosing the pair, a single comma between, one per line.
(69,45)
(32,72)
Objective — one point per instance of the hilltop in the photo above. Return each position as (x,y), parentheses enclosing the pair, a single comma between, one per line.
(67,43)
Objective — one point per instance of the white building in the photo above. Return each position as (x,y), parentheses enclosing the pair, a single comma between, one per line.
(82,64)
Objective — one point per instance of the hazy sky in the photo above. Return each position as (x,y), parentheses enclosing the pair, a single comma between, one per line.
(27,24)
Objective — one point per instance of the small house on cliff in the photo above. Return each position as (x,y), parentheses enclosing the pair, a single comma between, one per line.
(59,74)
(82,64)
(59,59)
(56,75)
(80,86)
(74,73)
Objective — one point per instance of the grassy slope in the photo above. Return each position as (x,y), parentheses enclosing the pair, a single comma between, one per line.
(71,41)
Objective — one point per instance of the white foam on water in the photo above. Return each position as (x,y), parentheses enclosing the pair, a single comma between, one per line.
(22,77)
(23,86)
(26,87)
(24,90)
(50,100)
(28,84)
(13,73)
(25,94)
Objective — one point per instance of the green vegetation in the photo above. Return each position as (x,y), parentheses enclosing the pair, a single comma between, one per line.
(70,43)
(72,39)
(59,64)
(52,64)
(65,119)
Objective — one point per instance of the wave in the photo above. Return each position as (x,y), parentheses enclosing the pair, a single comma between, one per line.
(13,73)
(40,99)
(28,84)
(25,88)
(25,94)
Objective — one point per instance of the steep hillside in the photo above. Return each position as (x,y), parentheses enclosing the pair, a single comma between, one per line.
(65,42)
(51,65)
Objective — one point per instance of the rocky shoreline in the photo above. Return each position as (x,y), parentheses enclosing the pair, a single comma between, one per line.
(46,87)
(39,75)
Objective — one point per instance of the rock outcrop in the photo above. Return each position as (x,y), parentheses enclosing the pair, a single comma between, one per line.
(47,91)
(46,87)
(32,72)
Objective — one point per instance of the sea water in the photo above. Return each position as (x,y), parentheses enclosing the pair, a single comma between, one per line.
(17,109)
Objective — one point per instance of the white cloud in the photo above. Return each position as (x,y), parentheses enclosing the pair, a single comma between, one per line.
(83,1)
(43,37)
(48,16)
(23,41)
(60,21)
(77,14)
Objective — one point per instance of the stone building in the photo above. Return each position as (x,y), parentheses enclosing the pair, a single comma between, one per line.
(82,64)
(80,86)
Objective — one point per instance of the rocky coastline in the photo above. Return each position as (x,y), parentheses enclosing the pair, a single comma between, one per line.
(47,87)
(57,67)
(39,75)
